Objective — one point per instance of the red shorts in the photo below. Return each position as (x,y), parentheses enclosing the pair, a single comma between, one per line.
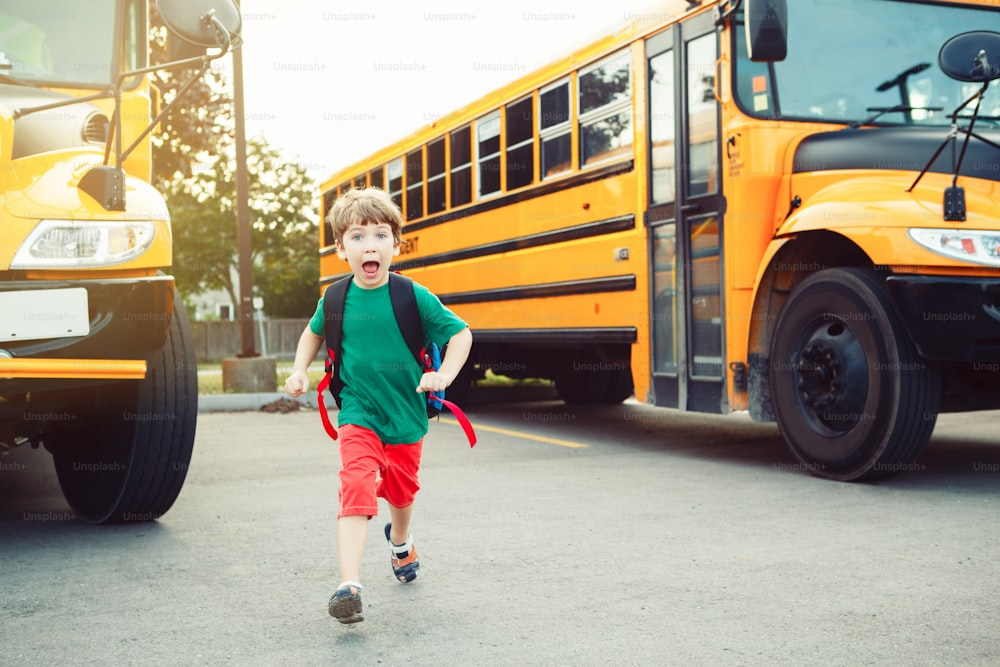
(362,455)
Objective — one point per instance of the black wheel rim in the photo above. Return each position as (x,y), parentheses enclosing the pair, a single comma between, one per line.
(830,370)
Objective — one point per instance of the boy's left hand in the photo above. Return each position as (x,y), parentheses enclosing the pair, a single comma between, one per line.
(433,381)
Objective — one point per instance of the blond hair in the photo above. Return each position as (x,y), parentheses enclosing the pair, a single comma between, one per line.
(365,206)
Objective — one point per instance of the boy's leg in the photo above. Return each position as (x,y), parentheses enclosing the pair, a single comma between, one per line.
(400,523)
(351,534)
(361,457)
(399,487)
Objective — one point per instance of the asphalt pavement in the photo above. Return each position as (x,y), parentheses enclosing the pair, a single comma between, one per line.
(623,535)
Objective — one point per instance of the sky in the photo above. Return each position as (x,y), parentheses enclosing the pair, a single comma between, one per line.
(328,82)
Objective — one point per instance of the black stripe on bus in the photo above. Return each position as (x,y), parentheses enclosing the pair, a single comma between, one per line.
(567,336)
(610,226)
(566,288)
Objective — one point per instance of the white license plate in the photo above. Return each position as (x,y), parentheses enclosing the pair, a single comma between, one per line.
(40,314)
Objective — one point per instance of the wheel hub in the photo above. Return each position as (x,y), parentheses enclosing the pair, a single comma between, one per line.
(832,375)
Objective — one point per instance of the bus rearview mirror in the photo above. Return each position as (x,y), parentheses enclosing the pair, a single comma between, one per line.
(971,56)
(766,23)
(200,21)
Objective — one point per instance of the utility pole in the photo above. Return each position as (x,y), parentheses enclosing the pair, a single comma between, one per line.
(248,371)
(244,249)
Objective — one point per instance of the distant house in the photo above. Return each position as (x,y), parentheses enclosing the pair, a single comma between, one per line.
(211,305)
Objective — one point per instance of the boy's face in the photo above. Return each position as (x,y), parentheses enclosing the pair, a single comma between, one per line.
(369,249)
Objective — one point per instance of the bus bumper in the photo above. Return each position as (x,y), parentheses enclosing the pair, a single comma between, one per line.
(126,323)
(950,318)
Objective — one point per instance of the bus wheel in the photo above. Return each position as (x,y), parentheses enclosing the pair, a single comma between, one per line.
(852,398)
(594,387)
(131,442)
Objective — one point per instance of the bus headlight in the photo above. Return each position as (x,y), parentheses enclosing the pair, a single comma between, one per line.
(981,247)
(72,244)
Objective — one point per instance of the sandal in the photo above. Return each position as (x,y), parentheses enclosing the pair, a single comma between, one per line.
(345,605)
(403,557)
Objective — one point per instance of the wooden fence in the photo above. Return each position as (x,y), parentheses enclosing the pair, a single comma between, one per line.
(215,341)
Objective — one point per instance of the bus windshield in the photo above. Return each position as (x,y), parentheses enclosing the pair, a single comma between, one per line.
(54,41)
(864,61)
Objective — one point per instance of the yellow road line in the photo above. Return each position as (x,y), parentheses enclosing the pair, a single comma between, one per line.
(519,434)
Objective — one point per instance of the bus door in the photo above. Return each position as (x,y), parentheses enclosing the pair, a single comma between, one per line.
(684,217)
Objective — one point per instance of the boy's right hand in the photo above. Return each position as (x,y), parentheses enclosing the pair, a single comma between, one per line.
(297,384)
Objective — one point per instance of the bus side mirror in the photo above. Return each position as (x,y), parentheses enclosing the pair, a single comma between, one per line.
(181,49)
(766,23)
(203,23)
(966,57)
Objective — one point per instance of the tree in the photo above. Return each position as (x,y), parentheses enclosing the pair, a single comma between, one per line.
(284,228)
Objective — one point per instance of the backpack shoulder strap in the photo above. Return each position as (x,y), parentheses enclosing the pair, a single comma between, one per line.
(333,322)
(333,312)
(404,306)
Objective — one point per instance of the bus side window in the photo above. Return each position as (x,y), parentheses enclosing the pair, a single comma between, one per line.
(554,130)
(520,144)
(435,177)
(415,184)
(488,153)
(395,176)
(461,166)
(375,178)
(606,110)
(327,238)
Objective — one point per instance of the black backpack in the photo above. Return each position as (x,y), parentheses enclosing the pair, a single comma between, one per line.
(404,306)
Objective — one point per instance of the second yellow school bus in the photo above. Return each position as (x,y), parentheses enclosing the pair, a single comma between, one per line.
(730,206)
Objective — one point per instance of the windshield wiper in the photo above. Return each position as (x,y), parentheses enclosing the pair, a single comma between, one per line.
(881,111)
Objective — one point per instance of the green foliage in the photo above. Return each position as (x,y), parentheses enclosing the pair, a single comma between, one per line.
(283,230)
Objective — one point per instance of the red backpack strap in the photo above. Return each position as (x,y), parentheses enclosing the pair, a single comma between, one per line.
(321,388)
(463,421)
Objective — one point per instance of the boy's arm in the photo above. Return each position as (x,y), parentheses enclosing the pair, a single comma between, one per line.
(455,356)
(308,347)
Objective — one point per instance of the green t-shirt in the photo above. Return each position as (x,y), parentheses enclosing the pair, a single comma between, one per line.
(380,374)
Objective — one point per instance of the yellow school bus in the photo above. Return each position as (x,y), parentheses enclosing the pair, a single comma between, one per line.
(790,209)
(96,355)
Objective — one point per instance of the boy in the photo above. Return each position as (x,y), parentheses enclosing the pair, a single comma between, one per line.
(383,414)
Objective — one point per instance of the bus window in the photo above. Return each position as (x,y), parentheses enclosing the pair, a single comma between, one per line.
(605,110)
(359,181)
(703,164)
(415,184)
(661,127)
(375,178)
(461,166)
(554,130)
(435,177)
(395,176)
(488,153)
(520,144)
(326,238)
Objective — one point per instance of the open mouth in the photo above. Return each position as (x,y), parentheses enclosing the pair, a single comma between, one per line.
(370,269)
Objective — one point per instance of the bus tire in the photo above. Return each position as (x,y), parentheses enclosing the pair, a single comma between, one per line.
(852,398)
(129,454)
